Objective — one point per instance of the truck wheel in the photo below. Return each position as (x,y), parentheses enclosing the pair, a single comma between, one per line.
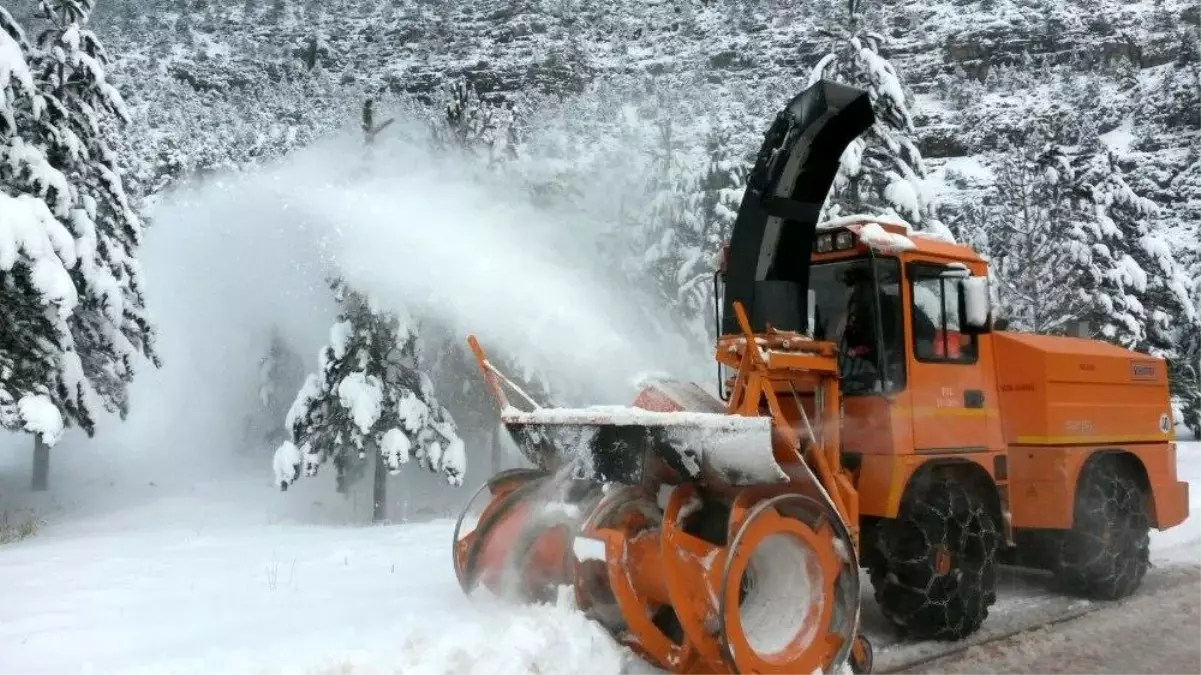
(934,567)
(1106,553)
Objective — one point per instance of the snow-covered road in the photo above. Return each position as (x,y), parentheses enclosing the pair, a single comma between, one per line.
(157,588)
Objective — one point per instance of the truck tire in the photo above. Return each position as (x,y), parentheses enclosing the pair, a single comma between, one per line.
(933,568)
(1107,552)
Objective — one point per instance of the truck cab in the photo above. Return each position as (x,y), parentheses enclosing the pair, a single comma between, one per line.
(916,374)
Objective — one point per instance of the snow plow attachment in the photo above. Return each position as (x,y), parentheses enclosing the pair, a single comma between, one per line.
(700,539)
(709,537)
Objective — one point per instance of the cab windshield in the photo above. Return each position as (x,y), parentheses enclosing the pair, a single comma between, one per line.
(858,307)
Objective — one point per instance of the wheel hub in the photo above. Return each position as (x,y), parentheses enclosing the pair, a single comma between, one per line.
(943,561)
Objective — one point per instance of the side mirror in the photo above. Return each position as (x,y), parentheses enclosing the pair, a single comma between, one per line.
(976,305)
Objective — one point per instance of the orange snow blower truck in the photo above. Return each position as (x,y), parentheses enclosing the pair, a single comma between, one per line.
(869,416)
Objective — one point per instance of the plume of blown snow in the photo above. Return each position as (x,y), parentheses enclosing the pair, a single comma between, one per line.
(228,258)
(425,233)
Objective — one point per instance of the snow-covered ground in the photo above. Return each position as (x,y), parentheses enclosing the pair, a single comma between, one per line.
(1183,543)
(179,586)
(197,583)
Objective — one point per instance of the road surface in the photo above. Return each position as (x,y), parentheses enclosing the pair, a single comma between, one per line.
(1156,631)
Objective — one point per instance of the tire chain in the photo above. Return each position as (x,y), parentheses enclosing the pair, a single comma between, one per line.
(909,588)
(1106,553)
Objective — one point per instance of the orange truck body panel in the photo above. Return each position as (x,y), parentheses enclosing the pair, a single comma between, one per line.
(1072,391)
(1042,482)
(1063,399)
(1049,403)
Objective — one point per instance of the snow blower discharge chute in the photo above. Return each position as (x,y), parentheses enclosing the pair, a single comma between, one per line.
(707,536)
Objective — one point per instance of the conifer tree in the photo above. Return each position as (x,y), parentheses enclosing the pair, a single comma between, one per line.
(672,212)
(1168,99)
(70,285)
(716,200)
(1070,209)
(697,179)
(281,373)
(465,123)
(368,398)
(1135,291)
(1022,230)
(882,169)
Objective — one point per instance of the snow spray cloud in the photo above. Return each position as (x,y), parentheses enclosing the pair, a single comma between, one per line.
(224,263)
(428,235)
(228,258)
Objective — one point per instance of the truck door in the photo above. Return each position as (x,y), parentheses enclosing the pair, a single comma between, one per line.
(949,391)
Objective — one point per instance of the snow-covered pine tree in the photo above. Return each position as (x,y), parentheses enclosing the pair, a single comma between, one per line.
(882,170)
(672,213)
(1185,368)
(1168,101)
(466,123)
(1069,208)
(72,289)
(1022,230)
(110,325)
(1185,373)
(281,373)
(36,253)
(368,398)
(721,188)
(717,193)
(1134,290)
(697,174)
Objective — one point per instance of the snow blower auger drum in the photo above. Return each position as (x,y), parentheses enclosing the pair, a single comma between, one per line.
(673,524)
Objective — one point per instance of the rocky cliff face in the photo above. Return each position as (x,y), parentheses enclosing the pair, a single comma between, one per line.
(942,48)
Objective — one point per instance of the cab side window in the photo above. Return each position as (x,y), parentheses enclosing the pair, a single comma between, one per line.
(936,303)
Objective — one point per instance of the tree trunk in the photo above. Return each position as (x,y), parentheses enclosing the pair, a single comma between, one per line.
(379,491)
(41,464)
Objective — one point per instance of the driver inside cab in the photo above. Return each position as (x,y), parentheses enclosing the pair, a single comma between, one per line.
(861,337)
